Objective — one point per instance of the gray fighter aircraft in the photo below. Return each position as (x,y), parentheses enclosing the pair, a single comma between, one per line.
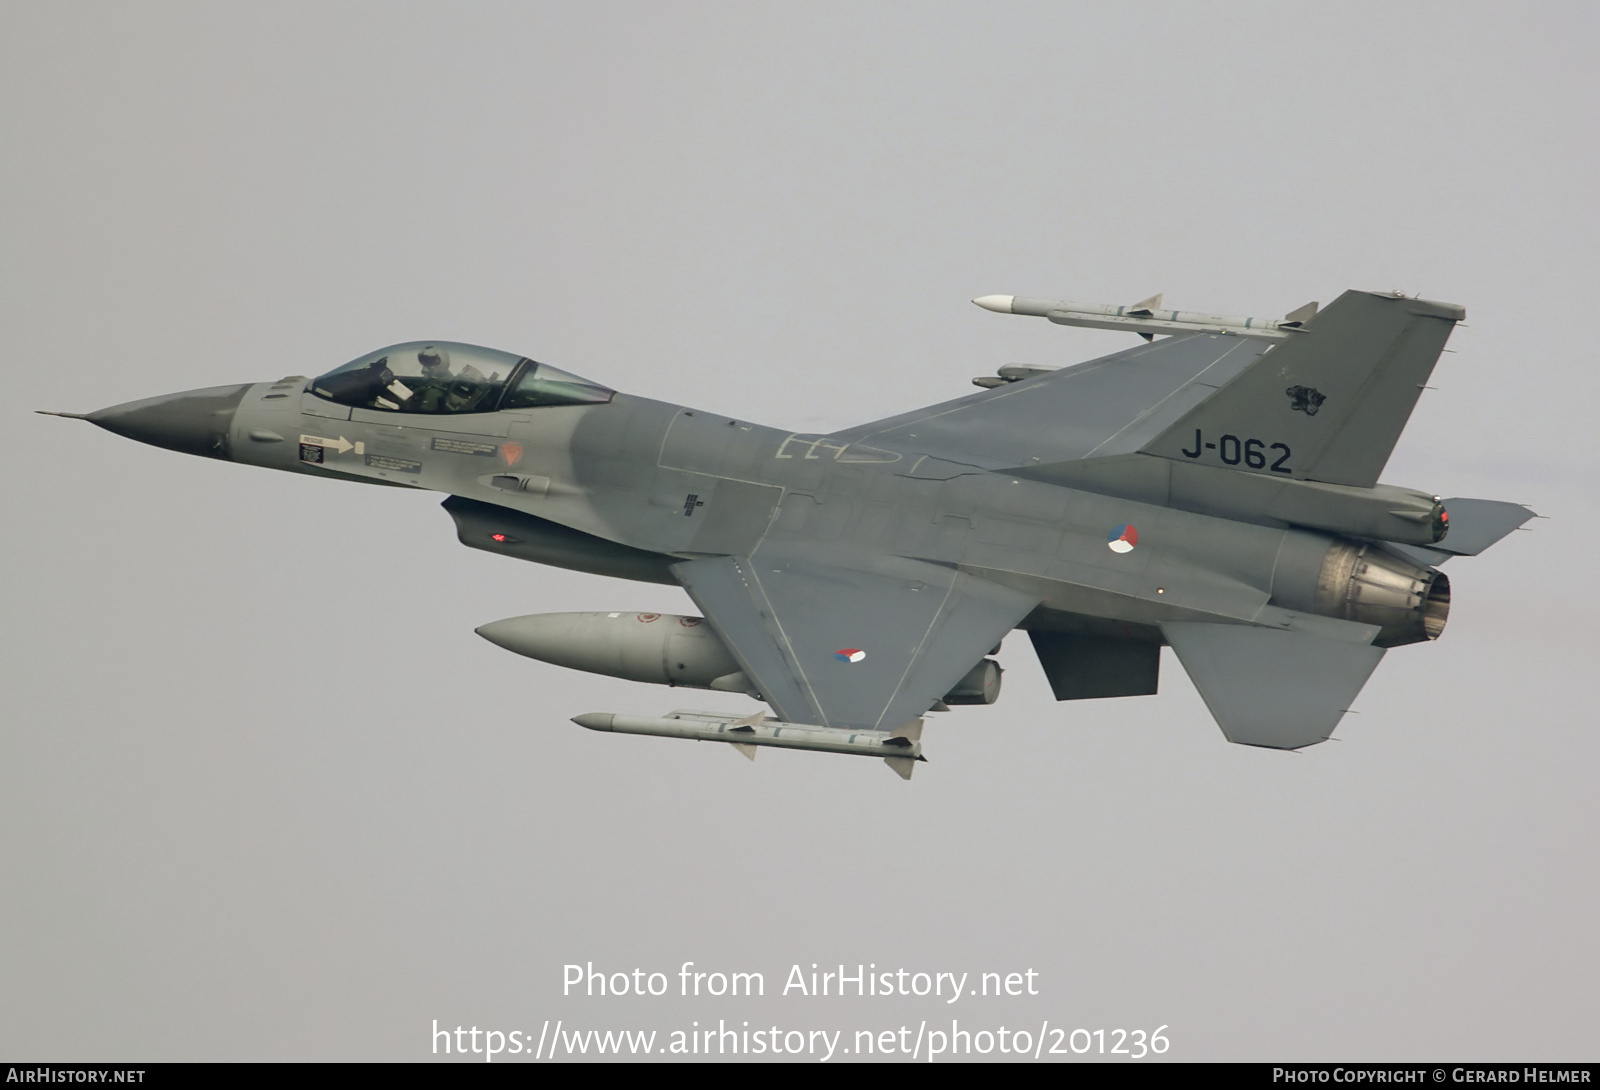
(1215,491)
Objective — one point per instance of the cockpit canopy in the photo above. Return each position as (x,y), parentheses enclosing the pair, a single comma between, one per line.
(436,377)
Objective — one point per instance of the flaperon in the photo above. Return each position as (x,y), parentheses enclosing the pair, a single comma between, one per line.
(1168,494)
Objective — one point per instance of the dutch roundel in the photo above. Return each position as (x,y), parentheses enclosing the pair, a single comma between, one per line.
(850,654)
(1123,539)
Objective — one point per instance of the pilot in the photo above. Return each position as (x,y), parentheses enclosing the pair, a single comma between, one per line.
(436,379)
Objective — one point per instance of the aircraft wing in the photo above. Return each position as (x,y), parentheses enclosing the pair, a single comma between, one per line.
(1111,405)
(870,642)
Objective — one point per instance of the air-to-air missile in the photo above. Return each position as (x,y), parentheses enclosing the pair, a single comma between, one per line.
(1215,492)
(900,748)
(1148,319)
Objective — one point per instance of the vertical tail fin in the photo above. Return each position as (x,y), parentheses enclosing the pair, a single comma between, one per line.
(1327,405)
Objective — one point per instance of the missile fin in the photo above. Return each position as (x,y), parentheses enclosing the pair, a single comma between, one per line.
(1301,314)
(745,748)
(1144,308)
(911,732)
(903,766)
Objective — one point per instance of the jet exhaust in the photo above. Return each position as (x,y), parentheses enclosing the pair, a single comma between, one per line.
(1366,584)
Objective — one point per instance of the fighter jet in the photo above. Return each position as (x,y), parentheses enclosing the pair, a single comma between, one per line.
(1213,489)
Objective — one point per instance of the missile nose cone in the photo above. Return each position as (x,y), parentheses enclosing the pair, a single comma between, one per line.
(1000,304)
(194,422)
(501,633)
(538,636)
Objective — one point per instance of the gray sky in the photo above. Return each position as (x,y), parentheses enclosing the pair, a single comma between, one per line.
(264,794)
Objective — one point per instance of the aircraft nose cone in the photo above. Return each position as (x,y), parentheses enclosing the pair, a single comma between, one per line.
(194,422)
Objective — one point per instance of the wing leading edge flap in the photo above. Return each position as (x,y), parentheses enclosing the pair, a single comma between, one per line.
(1278,688)
(871,644)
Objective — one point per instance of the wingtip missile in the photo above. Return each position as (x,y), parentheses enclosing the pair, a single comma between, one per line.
(1146,318)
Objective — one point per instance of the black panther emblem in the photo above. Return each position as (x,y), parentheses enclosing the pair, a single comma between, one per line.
(1305,399)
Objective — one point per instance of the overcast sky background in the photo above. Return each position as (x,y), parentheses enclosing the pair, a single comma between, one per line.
(265,795)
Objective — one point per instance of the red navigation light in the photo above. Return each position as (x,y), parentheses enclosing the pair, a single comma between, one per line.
(1441,520)
(498,537)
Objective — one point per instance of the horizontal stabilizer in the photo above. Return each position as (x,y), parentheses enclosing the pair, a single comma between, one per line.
(1477,524)
(1272,687)
(1474,526)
